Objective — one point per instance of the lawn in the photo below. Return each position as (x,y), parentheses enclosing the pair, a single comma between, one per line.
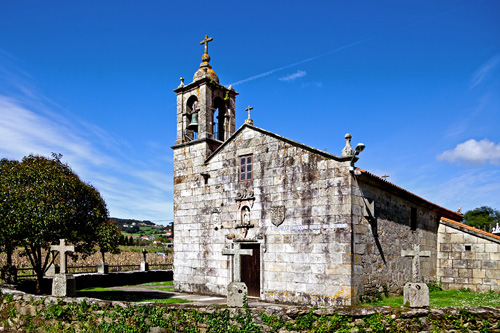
(133,296)
(445,298)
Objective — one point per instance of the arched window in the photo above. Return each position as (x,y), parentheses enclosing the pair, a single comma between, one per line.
(219,118)
(192,117)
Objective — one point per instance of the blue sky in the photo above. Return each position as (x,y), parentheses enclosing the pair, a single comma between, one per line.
(418,82)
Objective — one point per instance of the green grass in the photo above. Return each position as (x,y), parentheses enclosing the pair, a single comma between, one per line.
(161,283)
(97,289)
(130,296)
(168,300)
(170,289)
(444,298)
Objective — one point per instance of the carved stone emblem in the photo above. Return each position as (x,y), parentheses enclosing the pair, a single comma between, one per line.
(245,197)
(277,215)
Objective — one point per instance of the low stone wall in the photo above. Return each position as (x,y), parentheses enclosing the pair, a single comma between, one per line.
(25,312)
(88,280)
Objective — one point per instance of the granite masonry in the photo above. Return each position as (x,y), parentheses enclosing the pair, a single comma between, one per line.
(321,231)
(468,257)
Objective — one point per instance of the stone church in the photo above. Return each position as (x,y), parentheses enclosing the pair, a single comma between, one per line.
(316,230)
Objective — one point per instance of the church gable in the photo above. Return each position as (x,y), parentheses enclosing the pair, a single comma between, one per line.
(288,201)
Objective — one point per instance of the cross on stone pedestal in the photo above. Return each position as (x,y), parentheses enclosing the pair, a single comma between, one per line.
(205,41)
(237,252)
(416,254)
(63,248)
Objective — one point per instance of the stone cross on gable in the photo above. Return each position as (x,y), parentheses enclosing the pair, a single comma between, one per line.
(205,41)
(416,254)
(237,252)
(248,109)
(249,120)
(63,248)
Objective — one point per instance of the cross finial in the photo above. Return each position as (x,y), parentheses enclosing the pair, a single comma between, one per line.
(248,109)
(249,120)
(205,41)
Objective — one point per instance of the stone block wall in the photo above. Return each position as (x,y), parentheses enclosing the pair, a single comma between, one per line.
(305,259)
(379,240)
(468,259)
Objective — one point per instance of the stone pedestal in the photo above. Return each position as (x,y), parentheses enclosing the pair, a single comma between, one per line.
(64,285)
(416,295)
(235,293)
(144,266)
(102,268)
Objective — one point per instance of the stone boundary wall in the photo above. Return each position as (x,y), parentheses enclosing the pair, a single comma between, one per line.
(21,312)
(467,260)
(88,280)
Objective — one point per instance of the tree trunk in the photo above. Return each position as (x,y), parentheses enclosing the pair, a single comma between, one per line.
(9,254)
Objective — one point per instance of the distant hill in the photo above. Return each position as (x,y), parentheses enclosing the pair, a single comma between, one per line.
(121,222)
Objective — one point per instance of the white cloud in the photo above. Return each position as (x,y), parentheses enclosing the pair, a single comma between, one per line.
(131,188)
(482,73)
(470,189)
(293,76)
(473,152)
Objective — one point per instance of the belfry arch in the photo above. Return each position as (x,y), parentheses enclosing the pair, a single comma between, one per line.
(219,119)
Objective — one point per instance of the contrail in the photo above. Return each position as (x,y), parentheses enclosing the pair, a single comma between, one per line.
(272,71)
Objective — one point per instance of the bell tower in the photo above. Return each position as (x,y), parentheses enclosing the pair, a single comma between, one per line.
(205,109)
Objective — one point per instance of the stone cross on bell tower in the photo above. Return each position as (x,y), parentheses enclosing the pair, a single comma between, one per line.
(205,108)
(206,41)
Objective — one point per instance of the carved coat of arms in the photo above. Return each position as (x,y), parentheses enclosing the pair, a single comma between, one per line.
(277,215)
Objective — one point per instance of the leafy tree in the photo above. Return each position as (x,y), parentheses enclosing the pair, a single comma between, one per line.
(482,216)
(44,201)
(108,238)
(9,230)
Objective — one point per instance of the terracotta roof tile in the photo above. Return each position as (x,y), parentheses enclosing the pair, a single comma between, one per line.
(410,193)
(468,227)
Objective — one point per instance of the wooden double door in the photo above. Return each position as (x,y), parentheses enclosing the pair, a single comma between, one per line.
(250,269)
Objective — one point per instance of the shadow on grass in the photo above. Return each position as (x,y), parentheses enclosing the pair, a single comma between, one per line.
(130,296)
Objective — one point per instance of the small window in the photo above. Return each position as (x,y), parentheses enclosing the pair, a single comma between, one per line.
(246,167)
(413,219)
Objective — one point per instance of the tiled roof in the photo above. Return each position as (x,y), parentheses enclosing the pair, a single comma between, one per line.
(468,228)
(448,212)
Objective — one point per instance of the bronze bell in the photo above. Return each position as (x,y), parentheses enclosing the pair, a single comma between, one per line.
(193,125)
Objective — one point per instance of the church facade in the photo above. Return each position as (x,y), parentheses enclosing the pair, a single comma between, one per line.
(319,230)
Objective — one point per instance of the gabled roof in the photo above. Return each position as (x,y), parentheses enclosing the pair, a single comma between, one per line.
(470,230)
(279,137)
(402,192)
(385,184)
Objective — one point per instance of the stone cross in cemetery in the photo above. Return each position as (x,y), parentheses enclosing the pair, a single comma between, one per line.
(237,252)
(63,284)
(415,267)
(416,293)
(236,289)
(62,248)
